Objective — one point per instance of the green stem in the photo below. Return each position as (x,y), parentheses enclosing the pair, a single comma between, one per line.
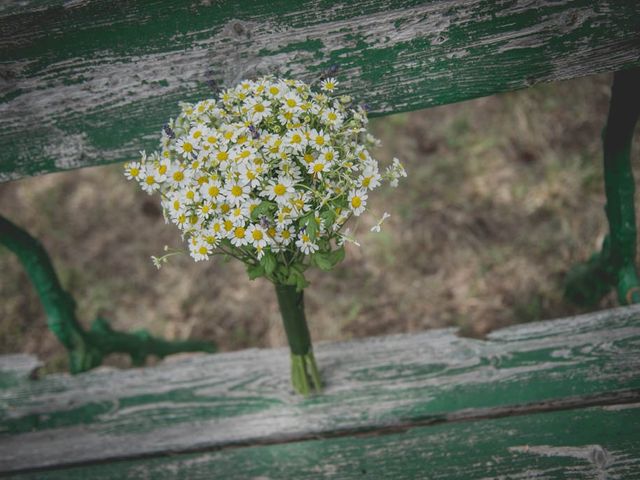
(86,348)
(304,371)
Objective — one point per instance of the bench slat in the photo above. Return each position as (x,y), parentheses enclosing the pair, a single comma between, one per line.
(87,83)
(585,443)
(242,397)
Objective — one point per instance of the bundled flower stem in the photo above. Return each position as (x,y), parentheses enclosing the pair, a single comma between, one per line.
(268,174)
(304,371)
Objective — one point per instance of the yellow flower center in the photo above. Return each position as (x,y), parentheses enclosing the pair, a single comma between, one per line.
(239,232)
(356,202)
(225,208)
(286,234)
(366,181)
(178,176)
(214,190)
(150,180)
(319,140)
(228,225)
(291,102)
(308,157)
(134,172)
(212,139)
(176,204)
(328,156)
(222,156)
(187,147)
(279,189)
(258,108)
(296,138)
(202,250)
(318,167)
(191,194)
(332,116)
(162,169)
(257,234)
(197,134)
(236,191)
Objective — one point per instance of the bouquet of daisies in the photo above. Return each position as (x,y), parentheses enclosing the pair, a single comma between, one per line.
(268,173)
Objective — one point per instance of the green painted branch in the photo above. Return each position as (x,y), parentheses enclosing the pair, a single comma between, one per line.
(86,349)
(614,266)
(58,304)
(304,371)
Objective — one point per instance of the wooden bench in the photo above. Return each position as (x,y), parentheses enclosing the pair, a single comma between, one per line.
(85,83)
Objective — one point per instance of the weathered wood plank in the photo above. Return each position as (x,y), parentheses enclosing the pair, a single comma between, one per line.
(244,398)
(590,443)
(15,369)
(88,82)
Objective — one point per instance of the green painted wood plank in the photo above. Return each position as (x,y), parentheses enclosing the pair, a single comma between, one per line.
(16,368)
(244,397)
(595,443)
(90,82)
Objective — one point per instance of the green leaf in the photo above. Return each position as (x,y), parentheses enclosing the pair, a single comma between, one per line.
(269,262)
(264,208)
(255,271)
(337,256)
(328,260)
(323,260)
(296,278)
(329,217)
(310,225)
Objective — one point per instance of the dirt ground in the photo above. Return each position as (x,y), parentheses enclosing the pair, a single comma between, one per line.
(504,194)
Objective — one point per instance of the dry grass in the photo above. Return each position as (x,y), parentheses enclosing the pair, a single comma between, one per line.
(504,194)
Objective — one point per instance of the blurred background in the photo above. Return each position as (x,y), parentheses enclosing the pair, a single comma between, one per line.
(504,195)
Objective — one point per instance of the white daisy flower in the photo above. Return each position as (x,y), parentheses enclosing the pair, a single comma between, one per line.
(357,201)
(296,140)
(257,236)
(212,191)
(237,192)
(186,147)
(305,244)
(258,109)
(238,236)
(329,85)
(291,103)
(148,179)
(332,118)
(318,139)
(199,249)
(369,179)
(132,170)
(280,189)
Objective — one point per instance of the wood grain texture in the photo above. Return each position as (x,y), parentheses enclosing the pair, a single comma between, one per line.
(16,368)
(596,443)
(90,82)
(244,398)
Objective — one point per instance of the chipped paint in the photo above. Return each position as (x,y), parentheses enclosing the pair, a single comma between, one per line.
(396,56)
